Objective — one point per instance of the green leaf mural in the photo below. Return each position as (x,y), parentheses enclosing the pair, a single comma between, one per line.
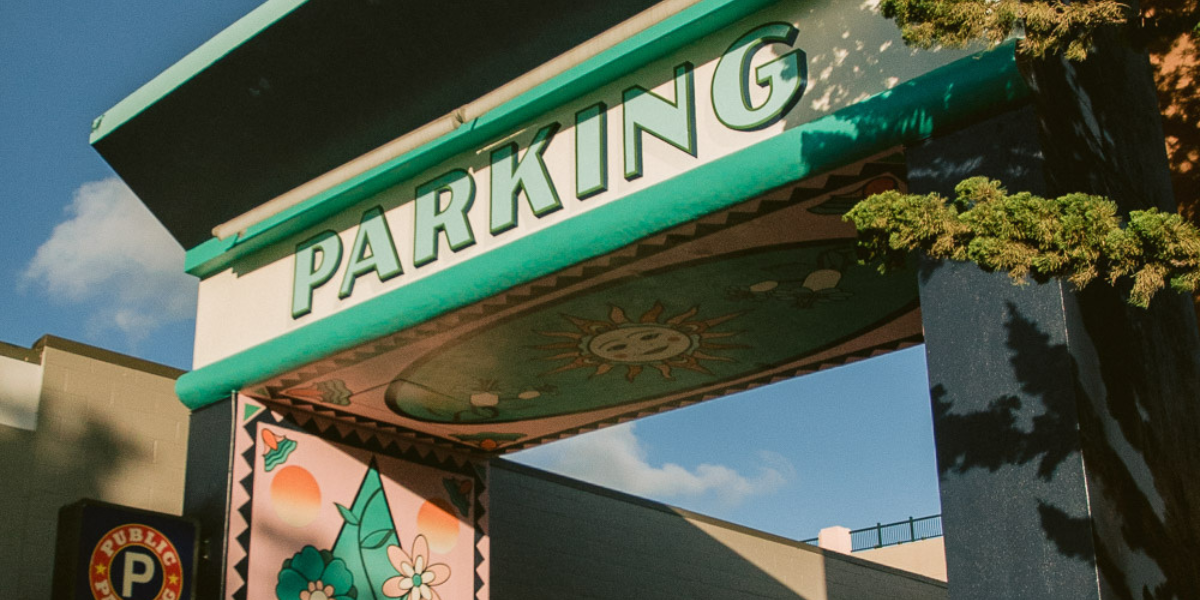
(377,539)
(347,515)
(364,538)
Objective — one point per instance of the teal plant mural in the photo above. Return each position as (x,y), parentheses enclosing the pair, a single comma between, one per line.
(276,449)
(340,520)
(315,575)
(367,530)
(367,561)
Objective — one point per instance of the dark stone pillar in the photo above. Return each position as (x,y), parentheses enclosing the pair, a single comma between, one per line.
(206,495)
(1067,424)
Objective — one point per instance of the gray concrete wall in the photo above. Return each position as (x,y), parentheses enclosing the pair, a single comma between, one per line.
(207,491)
(108,427)
(553,537)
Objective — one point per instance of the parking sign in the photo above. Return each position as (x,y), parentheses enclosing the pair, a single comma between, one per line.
(110,552)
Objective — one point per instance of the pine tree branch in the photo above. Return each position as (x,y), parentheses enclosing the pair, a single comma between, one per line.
(1077,237)
(1048,26)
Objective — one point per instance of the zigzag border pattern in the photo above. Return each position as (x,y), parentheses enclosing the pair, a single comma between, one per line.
(246,510)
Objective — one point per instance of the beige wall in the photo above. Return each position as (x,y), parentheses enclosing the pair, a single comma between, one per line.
(927,557)
(108,427)
(817,574)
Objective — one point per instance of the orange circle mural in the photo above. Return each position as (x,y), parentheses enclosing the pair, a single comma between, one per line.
(436,520)
(295,496)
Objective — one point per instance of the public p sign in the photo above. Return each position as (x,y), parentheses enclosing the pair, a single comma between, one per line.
(109,552)
(135,561)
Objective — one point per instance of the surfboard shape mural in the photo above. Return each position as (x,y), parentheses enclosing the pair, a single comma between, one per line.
(765,290)
(655,335)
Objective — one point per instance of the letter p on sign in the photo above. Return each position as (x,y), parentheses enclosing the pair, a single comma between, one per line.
(134,574)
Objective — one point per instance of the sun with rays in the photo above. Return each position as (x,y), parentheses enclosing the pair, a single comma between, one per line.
(679,342)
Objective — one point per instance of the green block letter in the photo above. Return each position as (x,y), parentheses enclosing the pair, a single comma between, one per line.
(591,151)
(375,237)
(431,218)
(510,177)
(671,122)
(312,273)
(785,78)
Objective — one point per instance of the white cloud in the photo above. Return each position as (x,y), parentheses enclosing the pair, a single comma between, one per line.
(615,458)
(115,260)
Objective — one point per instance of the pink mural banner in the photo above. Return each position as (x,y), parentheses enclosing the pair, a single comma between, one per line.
(326,511)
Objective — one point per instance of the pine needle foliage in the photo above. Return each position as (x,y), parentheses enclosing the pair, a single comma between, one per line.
(1078,237)
(1049,26)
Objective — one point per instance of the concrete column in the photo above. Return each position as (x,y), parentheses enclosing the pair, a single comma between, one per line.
(836,539)
(1065,422)
(206,493)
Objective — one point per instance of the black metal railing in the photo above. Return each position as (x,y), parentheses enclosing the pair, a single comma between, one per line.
(901,532)
(880,535)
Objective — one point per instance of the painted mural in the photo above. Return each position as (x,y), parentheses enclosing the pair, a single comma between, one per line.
(768,289)
(314,519)
(650,336)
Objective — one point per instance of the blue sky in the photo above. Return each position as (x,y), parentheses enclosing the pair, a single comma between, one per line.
(84,260)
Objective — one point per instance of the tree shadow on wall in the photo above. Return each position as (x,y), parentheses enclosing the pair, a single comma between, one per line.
(1175,56)
(1141,474)
(44,470)
(1052,436)
(1140,432)
(995,437)
(555,537)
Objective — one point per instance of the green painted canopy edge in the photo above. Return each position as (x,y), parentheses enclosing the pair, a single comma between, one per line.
(664,37)
(939,101)
(189,66)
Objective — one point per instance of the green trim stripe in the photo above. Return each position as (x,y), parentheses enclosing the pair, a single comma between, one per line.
(939,101)
(666,36)
(191,65)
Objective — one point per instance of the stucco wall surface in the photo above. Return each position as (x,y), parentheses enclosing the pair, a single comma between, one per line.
(108,428)
(926,557)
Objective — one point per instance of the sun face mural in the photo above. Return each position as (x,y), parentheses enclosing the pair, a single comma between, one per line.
(679,342)
(667,332)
